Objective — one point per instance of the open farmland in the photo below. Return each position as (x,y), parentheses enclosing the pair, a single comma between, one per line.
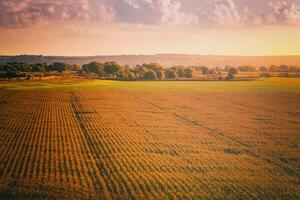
(150,140)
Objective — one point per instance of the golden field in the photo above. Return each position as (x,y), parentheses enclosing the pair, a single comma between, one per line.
(150,140)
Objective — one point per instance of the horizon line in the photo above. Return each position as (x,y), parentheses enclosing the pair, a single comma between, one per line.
(156,54)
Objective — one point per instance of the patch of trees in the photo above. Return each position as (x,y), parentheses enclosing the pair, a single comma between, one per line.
(284,68)
(272,68)
(247,68)
(15,69)
(152,71)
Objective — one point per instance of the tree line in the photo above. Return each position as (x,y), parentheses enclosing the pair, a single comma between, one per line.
(16,69)
(152,71)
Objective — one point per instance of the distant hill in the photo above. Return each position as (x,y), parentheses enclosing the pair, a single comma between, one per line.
(163,59)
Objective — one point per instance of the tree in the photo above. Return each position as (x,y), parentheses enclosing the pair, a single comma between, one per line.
(263,69)
(212,71)
(233,71)
(273,68)
(111,68)
(131,75)
(75,67)
(154,66)
(180,72)
(60,67)
(188,73)
(121,74)
(94,67)
(205,70)
(161,75)
(140,70)
(226,68)
(294,69)
(284,68)
(36,68)
(230,76)
(170,74)
(150,75)
(247,68)
(281,68)
(43,66)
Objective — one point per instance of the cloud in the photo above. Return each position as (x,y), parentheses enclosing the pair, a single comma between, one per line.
(170,13)
(151,12)
(208,14)
(225,13)
(16,13)
(283,12)
(229,14)
(133,3)
(22,13)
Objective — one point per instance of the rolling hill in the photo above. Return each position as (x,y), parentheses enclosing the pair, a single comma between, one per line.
(163,59)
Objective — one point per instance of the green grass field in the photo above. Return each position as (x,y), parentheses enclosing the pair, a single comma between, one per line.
(291,85)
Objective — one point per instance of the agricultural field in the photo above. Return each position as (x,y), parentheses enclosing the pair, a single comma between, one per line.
(95,139)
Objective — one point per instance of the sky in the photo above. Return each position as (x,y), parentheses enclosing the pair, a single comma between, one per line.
(111,27)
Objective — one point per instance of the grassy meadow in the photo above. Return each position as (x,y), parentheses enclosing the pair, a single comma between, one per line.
(99,139)
(259,85)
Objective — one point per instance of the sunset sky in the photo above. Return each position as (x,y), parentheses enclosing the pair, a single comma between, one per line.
(97,27)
